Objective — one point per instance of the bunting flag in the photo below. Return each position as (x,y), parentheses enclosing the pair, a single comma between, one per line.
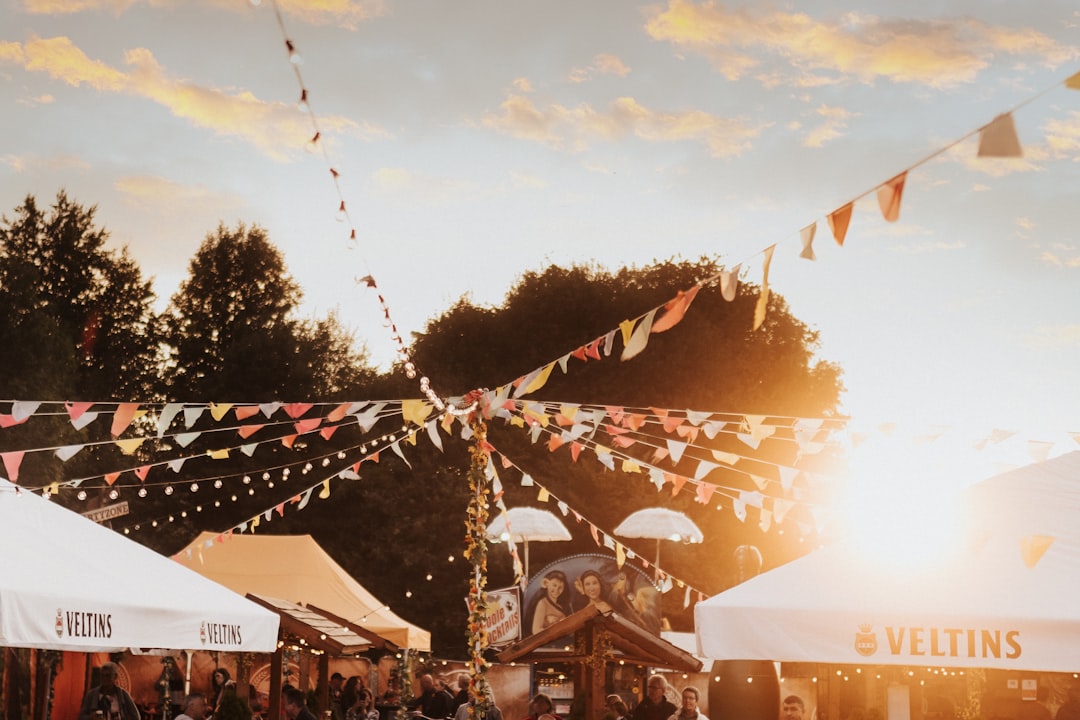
(123,417)
(888,196)
(640,337)
(729,283)
(12,460)
(675,309)
(763,298)
(807,237)
(1032,548)
(839,221)
(999,138)
(1073,81)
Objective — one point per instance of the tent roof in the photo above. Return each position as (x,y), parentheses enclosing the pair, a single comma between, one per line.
(627,640)
(297,569)
(996,603)
(71,584)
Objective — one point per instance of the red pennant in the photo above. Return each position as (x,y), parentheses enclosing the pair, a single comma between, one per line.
(622,441)
(280,509)
(75,410)
(677,484)
(295,410)
(338,413)
(554,442)
(12,461)
(288,441)
(306,426)
(575,451)
(672,422)
(328,431)
(888,196)
(593,349)
(615,413)
(704,492)
(580,354)
(141,472)
(110,478)
(634,421)
(7,421)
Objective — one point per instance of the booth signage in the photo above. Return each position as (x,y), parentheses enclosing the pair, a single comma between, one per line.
(108,512)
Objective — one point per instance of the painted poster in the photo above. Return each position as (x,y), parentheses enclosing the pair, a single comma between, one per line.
(503,621)
(572,583)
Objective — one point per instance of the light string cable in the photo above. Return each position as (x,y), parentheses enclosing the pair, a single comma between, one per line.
(343,214)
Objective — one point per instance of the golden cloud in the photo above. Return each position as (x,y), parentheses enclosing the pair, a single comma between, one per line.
(563,127)
(938,53)
(1063,136)
(276,129)
(602,64)
(832,128)
(342,13)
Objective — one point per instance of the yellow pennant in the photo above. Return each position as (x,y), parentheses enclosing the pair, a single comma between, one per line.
(130,445)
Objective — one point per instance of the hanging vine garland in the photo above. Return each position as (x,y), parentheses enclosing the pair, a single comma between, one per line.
(476,553)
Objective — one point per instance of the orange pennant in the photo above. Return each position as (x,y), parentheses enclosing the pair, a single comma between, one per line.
(246,431)
(839,221)
(243,412)
(674,310)
(125,413)
(888,197)
(12,461)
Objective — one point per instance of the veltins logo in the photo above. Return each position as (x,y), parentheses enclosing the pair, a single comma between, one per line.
(202,632)
(59,623)
(866,641)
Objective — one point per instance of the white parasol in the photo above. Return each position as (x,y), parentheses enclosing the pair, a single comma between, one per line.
(660,524)
(525,524)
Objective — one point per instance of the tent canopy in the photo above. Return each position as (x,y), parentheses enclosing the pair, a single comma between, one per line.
(1006,600)
(297,569)
(70,584)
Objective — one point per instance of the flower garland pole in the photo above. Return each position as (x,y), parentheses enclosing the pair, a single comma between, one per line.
(476,554)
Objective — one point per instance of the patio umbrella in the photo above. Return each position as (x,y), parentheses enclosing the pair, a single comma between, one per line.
(527,524)
(660,524)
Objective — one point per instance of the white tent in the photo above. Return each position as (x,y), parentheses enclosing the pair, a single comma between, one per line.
(297,569)
(1009,600)
(67,583)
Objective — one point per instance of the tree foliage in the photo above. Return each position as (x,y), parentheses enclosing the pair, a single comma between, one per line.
(78,317)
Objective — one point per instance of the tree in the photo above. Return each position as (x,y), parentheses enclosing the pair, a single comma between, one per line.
(78,318)
(234,334)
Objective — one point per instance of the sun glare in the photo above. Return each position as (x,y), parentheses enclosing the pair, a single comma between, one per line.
(902,505)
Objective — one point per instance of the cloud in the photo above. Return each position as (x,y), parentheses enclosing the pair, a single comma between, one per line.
(341,13)
(417,189)
(832,128)
(940,53)
(1063,136)
(602,64)
(572,128)
(276,129)
(1062,255)
(19,163)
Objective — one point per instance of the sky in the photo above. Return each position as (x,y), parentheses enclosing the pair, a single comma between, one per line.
(476,141)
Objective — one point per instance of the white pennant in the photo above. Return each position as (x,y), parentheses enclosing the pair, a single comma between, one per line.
(166,417)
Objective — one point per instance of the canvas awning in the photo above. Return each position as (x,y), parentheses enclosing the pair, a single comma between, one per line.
(296,568)
(1004,601)
(320,629)
(70,584)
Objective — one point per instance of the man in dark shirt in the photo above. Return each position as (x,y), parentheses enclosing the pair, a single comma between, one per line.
(434,702)
(293,704)
(655,706)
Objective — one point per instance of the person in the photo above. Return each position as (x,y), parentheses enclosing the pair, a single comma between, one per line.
(689,709)
(292,701)
(194,707)
(541,705)
(113,701)
(591,591)
(337,680)
(655,706)
(792,708)
(462,696)
(362,707)
(493,711)
(1070,709)
(618,709)
(349,693)
(433,702)
(550,606)
(218,680)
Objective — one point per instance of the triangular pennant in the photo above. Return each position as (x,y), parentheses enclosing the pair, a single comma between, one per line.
(763,298)
(807,237)
(185,439)
(243,412)
(192,414)
(640,337)
(129,445)
(675,309)
(12,460)
(295,410)
(165,417)
(75,410)
(21,410)
(888,197)
(999,138)
(142,472)
(839,221)
(111,478)
(1033,547)
(268,409)
(415,411)
(729,282)
(1073,81)
(67,452)
(122,418)
(218,410)
(307,425)
(325,492)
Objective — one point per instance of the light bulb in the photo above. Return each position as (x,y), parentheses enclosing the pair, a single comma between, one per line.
(113,494)
(303,106)
(247,479)
(194,487)
(142,492)
(217,484)
(81,495)
(168,489)
(294,54)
